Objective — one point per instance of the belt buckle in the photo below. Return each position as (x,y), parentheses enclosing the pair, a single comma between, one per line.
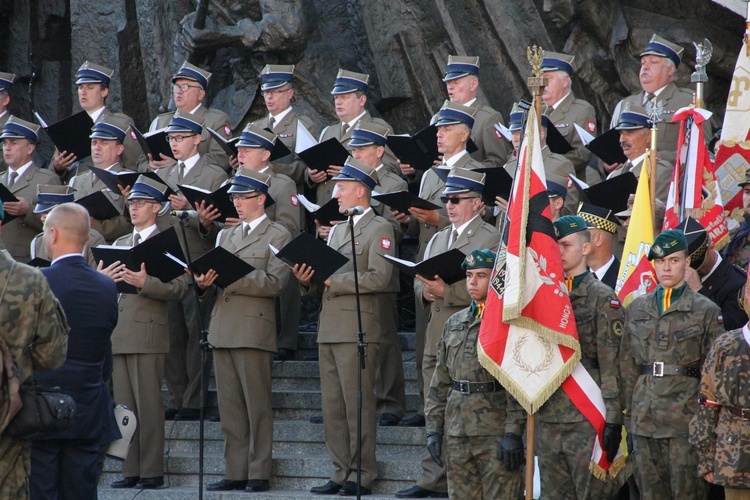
(464,386)
(657,369)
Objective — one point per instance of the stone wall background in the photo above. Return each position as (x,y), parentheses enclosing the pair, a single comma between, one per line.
(403,44)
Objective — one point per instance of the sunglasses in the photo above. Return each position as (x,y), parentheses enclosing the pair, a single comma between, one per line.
(455,200)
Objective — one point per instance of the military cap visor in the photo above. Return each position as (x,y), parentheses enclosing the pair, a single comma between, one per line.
(667,243)
(555,189)
(274,76)
(146,188)
(250,138)
(448,116)
(15,128)
(48,197)
(193,73)
(107,132)
(349,81)
(183,124)
(463,181)
(361,138)
(631,120)
(460,70)
(351,173)
(479,259)
(663,48)
(558,62)
(93,73)
(6,80)
(244,184)
(516,121)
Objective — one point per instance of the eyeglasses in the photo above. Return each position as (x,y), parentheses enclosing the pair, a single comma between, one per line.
(455,200)
(234,197)
(185,86)
(178,138)
(138,203)
(274,92)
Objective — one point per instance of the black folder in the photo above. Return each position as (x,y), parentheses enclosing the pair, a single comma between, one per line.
(611,193)
(99,205)
(154,143)
(555,140)
(126,178)
(404,200)
(607,147)
(420,150)
(447,265)
(152,252)
(307,249)
(219,199)
(39,262)
(228,266)
(497,182)
(6,196)
(71,134)
(320,156)
(325,215)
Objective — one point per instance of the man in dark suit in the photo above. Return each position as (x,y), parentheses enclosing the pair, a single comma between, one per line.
(603,225)
(64,464)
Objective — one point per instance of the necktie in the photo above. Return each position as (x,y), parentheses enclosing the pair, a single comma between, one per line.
(271,122)
(180,172)
(12,178)
(136,239)
(454,237)
(246,231)
(344,128)
(648,97)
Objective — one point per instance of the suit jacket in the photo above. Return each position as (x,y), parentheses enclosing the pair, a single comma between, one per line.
(19,232)
(204,175)
(244,314)
(477,235)
(286,130)
(215,119)
(89,300)
(664,171)
(37,247)
(88,183)
(142,327)
(570,112)
(373,237)
(724,287)
(610,277)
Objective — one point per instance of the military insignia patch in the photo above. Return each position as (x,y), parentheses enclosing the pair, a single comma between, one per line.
(294,199)
(227,131)
(385,243)
(132,135)
(591,126)
(657,251)
(614,304)
(720,319)
(497,134)
(617,328)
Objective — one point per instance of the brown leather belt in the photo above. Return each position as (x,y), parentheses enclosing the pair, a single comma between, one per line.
(743,413)
(466,387)
(659,369)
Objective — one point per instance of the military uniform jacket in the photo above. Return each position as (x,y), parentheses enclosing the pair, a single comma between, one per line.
(285,210)
(492,149)
(664,171)
(600,322)
(132,151)
(661,407)
(18,233)
(202,175)
(477,235)
(570,112)
(388,182)
(37,247)
(373,237)
(722,438)
(244,314)
(88,183)
(286,129)
(215,120)
(142,326)
(452,413)
(723,287)
(324,190)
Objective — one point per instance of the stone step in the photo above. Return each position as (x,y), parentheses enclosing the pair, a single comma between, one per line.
(305,375)
(187,492)
(308,340)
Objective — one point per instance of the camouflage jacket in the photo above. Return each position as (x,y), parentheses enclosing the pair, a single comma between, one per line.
(600,322)
(722,438)
(452,413)
(661,407)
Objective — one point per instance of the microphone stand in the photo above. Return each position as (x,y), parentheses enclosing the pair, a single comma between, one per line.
(362,354)
(204,345)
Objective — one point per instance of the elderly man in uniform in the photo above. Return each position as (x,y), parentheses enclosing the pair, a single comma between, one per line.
(243,362)
(22,178)
(93,89)
(603,230)
(466,407)
(467,231)
(737,251)
(720,430)
(189,87)
(107,138)
(350,98)
(337,331)
(141,341)
(6,84)
(667,337)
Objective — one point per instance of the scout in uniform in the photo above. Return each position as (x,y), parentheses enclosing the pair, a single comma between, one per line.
(603,225)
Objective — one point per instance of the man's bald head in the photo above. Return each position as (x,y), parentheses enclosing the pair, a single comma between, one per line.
(66,230)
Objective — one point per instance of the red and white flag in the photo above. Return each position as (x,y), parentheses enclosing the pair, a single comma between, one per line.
(528,338)
(694,191)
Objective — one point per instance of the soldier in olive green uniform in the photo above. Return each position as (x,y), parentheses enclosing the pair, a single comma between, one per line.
(29,316)
(667,337)
(467,405)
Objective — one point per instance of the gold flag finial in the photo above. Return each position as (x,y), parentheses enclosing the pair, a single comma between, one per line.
(535,55)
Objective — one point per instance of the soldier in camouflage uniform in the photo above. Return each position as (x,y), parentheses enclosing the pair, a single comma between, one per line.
(33,325)
(720,430)
(566,438)
(738,250)
(467,405)
(667,337)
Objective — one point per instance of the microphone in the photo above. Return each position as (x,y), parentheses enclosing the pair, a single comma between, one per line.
(180,214)
(352,211)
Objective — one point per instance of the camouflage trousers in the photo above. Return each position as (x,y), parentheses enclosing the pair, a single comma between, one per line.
(15,465)
(564,452)
(667,468)
(474,472)
(736,494)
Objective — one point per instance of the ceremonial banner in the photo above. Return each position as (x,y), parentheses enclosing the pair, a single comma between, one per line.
(637,276)
(694,180)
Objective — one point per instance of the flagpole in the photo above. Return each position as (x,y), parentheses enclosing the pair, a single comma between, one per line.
(536,83)
(653,110)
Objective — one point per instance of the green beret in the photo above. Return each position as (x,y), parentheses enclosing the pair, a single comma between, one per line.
(667,243)
(569,224)
(478,259)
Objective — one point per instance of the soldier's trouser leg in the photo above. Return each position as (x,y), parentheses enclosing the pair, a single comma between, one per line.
(665,468)
(433,476)
(288,307)
(564,451)
(389,386)
(735,494)
(15,467)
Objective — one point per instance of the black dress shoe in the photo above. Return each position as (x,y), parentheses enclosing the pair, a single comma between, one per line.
(258,485)
(188,414)
(388,420)
(350,490)
(126,482)
(419,492)
(215,418)
(226,485)
(330,488)
(311,357)
(415,421)
(150,483)
(284,355)
(169,413)
(316,419)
